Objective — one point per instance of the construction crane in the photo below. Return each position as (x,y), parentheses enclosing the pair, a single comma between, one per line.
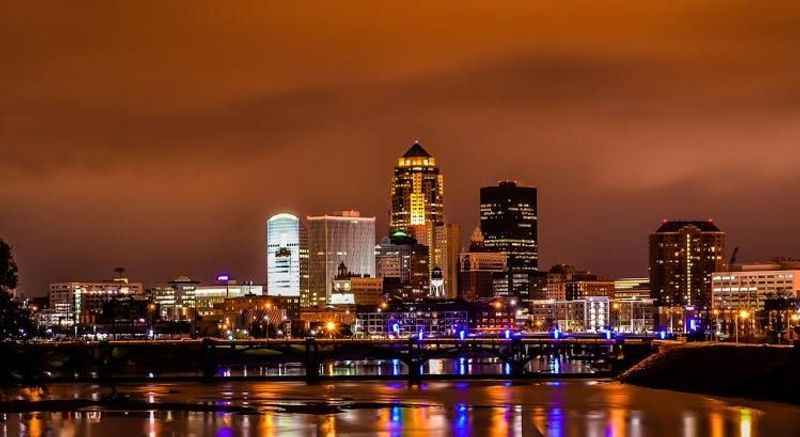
(733,257)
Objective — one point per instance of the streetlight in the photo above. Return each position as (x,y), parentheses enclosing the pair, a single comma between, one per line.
(330,326)
(743,314)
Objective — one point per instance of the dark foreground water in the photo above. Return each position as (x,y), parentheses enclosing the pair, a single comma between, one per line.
(478,408)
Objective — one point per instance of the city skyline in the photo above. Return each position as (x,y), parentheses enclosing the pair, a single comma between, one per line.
(381,230)
(135,143)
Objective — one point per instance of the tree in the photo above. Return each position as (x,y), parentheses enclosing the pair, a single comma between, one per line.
(8,268)
(14,319)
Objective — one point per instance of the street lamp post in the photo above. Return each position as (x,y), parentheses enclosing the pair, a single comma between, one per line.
(743,314)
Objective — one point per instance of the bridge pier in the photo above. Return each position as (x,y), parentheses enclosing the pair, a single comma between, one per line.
(312,361)
(209,359)
(414,361)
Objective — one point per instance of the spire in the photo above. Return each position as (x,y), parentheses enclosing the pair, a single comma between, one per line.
(416,151)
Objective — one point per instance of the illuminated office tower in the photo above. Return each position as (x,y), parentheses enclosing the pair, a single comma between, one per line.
(334,239)
(510,225)
(418,208)
(287,256)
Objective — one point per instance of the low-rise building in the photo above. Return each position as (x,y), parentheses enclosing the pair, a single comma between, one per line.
(593,314)
(632,288)
(430,319)
(353,289)
(80,302)
(748,286)
(577,289)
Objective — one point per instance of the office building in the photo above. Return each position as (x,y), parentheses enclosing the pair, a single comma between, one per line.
(208,297)
(402,263)
(430,319)
(176,299)
(683,257)
(80,302)
(748,286)
(287,256)
(481,273)
(334,239)
(581,288)
(585,315)
(352,289)
(509,223)
(558,278)
(417,194)
(632,288)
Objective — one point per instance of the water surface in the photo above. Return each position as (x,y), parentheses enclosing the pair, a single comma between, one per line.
(440,408)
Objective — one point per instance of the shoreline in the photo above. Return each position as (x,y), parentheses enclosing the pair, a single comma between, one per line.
(748,371)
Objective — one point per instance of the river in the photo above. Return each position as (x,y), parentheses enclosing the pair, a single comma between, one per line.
(479,408)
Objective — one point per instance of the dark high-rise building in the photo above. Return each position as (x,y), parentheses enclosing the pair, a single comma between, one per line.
(509,224)
(683,255)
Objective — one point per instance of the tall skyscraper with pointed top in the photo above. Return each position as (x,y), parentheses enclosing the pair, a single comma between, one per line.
(418,208)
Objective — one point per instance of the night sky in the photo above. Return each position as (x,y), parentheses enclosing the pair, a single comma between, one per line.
(159,136)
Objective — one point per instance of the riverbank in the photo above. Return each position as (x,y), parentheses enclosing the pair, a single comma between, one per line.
(751,371)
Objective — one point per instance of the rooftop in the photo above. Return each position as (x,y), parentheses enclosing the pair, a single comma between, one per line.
(677,225)
(416,151)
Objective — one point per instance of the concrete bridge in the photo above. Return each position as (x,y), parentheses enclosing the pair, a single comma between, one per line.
(113,359)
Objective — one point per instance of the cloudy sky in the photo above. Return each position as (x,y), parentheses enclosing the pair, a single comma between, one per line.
(159,135)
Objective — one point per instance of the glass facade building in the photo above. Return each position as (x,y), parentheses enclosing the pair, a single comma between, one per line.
(287,256)
(510,225)
(335,239)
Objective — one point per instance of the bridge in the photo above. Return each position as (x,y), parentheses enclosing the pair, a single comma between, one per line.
(117,358)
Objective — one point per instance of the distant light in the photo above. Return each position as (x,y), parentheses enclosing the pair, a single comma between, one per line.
(508,334)
(556,333)
(420,334)
(222,277)
(662,334)
(608,335)
(461,334)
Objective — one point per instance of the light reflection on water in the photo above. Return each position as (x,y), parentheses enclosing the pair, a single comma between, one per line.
(553,364)
(460,408)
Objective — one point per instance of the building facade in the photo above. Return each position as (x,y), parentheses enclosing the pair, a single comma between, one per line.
(287,256)
(334,239)
(176,299)
(510,225)
(417,194)
(683,257)
(591,287)
(748,286)
(402,264)
(632,288)
(482,273)
(352,289)
(80,302)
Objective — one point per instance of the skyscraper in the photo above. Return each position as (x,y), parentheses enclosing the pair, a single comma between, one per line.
(510,225)
(683,256)
(334,239)
(287,256)
(418,206)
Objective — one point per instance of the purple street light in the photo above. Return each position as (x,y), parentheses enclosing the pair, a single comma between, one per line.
(223,277)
